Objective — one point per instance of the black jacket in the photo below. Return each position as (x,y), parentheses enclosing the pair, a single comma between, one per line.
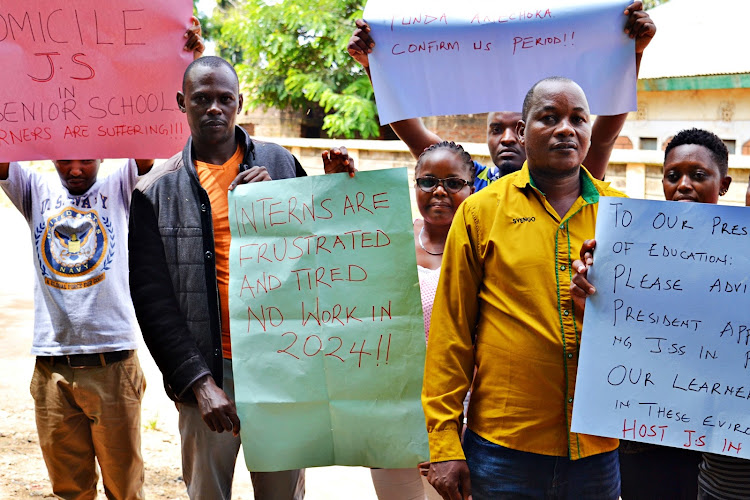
(172,268)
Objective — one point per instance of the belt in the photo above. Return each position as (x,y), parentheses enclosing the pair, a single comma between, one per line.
(84,360)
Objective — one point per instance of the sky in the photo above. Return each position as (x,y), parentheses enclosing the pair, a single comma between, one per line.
(206,6)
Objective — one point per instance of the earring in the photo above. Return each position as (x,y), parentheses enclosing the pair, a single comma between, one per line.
(722,192)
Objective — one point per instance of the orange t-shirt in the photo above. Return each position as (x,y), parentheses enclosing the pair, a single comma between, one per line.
(216,179)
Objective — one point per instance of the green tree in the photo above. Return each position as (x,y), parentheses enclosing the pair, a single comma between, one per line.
(650,4)
(292,54)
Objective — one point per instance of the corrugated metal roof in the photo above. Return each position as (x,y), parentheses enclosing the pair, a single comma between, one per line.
(695,38)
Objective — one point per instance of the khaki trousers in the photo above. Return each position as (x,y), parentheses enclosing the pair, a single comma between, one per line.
(88,413)
(208,459)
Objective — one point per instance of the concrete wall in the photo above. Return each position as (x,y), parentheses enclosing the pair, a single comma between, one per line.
(660,115)
(274,123)
(637,173)
(459,128)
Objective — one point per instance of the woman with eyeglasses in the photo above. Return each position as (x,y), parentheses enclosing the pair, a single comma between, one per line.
(444,177)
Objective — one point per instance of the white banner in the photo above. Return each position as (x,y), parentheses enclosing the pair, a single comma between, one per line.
(434,57)
(665,348)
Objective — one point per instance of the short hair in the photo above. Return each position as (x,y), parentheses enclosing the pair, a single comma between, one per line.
(530,94)
(209,62)
(704,138)
(463,156)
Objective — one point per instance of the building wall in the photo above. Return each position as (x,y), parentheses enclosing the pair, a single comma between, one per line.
(636,173)
(459,128)
(661,114)
(273,122)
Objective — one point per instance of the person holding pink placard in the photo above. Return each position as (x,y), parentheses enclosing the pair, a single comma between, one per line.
(87,383)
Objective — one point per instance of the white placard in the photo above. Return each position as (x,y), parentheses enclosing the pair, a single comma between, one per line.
(665,348)
(439,58)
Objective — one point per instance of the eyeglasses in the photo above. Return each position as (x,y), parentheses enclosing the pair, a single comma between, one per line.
(451,184)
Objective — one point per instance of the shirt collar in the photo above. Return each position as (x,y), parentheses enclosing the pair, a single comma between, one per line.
(589,191)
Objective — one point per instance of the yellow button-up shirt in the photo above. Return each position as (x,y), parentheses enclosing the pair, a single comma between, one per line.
(503,304)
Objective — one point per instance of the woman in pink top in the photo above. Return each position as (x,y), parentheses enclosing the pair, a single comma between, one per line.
(444,178)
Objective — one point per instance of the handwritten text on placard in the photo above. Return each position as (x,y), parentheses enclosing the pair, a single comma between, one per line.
(326,322)
(665,353)
(438,58)
(91,79)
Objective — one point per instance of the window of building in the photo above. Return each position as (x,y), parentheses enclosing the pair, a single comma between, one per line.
(731,145)
(648,143)
(623,142)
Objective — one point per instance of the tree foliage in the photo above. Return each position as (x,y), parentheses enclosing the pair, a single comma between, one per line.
(292,54)
(650,4)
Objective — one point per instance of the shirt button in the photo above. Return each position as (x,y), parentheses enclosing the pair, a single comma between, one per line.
(209,255)
(566,313)
(570,355)
(563,268)
(570,400)
(203,207)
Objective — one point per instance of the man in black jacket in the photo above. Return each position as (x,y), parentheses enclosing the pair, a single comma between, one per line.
(179,272)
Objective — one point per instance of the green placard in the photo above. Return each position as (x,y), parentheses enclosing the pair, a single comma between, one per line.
(326,321)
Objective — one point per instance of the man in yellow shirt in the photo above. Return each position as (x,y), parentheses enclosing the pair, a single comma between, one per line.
(503,305)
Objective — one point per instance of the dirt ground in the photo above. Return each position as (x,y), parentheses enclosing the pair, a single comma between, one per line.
(22,471)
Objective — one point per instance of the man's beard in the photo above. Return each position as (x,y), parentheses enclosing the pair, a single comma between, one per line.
(508,167)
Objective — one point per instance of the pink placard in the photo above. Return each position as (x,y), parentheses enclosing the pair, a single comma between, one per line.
(92,79)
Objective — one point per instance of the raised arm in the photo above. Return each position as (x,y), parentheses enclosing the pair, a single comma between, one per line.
(606,129)
(337,160)
(415,135)
(193,38)
(194,44)
(412,131)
